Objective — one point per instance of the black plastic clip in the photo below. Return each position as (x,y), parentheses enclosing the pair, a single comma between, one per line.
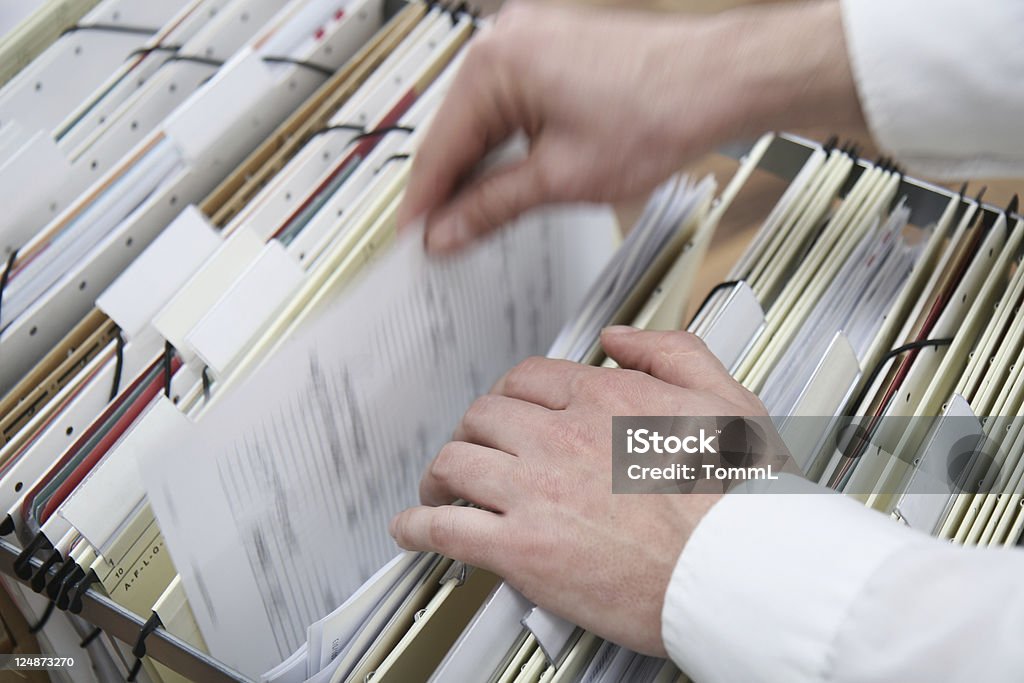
(981,195)
(38,581)
(455,10)
(1011,208)
(205,376)
(23,564)
(63,598)
(168,357)
(139,649)
(75,595)
(115,387)
(56,584)
(5,276)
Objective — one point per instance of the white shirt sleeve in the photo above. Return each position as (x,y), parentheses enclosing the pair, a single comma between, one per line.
(940,82)
(812,586)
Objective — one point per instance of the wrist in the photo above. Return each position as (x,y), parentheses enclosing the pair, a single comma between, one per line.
(782,67)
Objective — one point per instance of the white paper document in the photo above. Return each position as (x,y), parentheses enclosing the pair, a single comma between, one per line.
(275,505)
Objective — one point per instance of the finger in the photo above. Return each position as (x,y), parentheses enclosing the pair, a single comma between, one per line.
(486,204)
(473,473)
(462,533)
(544,381)
(469,122)
(506,424)
(679,358)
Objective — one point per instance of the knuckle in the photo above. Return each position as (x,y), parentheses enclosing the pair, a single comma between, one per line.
(568,435)
(443,465)
(615,388)
(580,384)
(680,341)
(441,532)
(478,410)
(550,485)
(521,375)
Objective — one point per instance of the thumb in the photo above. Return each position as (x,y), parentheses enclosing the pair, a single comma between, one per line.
(486,204)
(679,358)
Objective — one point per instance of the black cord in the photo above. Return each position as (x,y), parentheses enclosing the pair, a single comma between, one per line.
(322,70)
(208,61)
(134,671)
(111,28)
(217,63)
(91,636)
(846,461)
(875,371)
(361,132)
(383,130)
(728,284)
(47,613)
(393,157)
(338,126)
(154,48)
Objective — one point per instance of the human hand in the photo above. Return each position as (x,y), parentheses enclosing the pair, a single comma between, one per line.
(535,456)
(615,101)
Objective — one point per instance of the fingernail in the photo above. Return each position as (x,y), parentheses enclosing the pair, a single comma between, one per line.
(393,526)
(619,329)
(448,236)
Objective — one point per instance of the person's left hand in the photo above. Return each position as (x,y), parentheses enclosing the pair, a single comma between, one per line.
(535,456)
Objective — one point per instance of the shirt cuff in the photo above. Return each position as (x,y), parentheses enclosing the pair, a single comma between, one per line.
(774,573)
(936,80)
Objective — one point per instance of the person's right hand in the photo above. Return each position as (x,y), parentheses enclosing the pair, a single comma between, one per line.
(613,102)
